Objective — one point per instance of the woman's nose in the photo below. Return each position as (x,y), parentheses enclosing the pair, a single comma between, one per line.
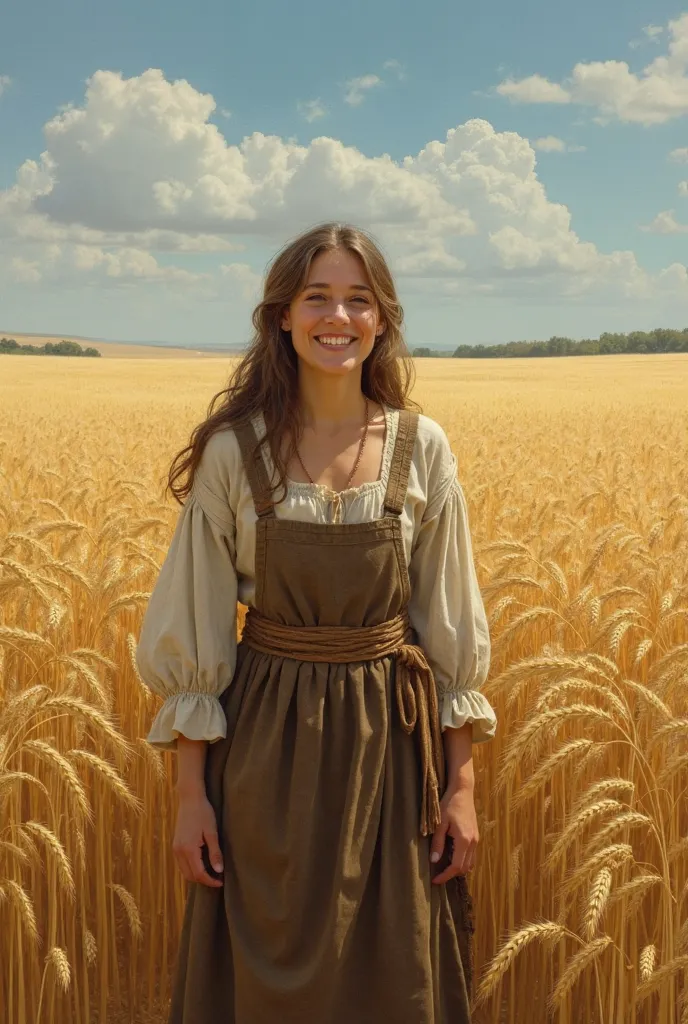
(339,313)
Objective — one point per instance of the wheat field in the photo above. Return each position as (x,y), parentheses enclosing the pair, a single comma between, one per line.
(576,476)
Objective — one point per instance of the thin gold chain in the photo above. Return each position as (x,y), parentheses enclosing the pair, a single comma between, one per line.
(358,457)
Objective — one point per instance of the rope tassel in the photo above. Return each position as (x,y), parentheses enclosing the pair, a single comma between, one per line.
(417,703)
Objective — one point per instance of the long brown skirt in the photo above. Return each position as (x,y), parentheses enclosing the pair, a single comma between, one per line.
(327,913)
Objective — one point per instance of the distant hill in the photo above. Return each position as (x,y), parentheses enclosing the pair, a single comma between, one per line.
(129,349)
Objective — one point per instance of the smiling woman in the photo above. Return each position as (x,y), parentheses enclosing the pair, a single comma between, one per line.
(325,774)
(334,309)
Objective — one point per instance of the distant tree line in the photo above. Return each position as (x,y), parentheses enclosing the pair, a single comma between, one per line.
(660,340)
(63,348)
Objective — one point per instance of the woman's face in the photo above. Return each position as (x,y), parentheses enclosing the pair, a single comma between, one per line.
(337,305)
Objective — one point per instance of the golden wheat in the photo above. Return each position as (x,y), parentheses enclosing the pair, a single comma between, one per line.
(648,958)
(646,987)
(58,958)
(572,470)
(597,901)
(575,967)
(57,852)
(547,932)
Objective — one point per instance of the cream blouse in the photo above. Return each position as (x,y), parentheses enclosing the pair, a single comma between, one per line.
(187,645)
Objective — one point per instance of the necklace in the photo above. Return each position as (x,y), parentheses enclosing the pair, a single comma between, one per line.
(335,496)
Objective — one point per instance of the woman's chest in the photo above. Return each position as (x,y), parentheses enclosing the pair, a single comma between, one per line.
(346,459)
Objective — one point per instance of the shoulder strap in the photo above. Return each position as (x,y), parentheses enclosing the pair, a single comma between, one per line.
(256,471)
(397,483)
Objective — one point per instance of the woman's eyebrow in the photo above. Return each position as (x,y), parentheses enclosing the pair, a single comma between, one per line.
(323,284)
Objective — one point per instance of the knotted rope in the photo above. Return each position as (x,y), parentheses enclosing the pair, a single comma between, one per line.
(415,685)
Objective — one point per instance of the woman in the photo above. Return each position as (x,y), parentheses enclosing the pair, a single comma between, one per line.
(324,770)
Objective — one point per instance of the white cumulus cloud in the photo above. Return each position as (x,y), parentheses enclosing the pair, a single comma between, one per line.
(25,271)
(138,170)
(651,34)
(665,223)
(396,66)
(553,144)
(244,277)
(129,264)
(312,109)
(655,95)
(356,88)
(533,89)
(550,144)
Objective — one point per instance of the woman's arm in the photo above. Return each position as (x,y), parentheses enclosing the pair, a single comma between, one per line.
(459,820)
(458,752)
(187,644)
(191,755)
(447,612)
(187,649)
(196,824)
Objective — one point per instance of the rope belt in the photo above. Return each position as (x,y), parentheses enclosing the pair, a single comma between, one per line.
(415,685)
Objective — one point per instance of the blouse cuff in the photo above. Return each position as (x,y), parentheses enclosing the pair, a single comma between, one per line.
(198,716)
(459,707)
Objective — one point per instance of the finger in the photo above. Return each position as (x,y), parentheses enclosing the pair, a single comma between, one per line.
(439,838)
(445,875)
(453,869)
(198,870)
(214,852)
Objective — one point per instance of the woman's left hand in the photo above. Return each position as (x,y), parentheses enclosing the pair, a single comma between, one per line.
(459,821)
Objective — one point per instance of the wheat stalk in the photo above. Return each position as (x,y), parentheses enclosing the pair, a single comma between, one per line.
(110,776)
(602,788)
(575,968)
(577,824)
(534,731)
(635,890)
(57,851)
(132,911)
(597,901)
(65,771)
(648,958)
(659,975)
(559,759)
(611,856)
(58,958)
(547,932)
(23,905)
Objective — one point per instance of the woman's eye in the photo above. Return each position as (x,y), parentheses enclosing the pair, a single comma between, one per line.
(354,298)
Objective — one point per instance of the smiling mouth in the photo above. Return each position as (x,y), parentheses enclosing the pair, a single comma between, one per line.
(334,341)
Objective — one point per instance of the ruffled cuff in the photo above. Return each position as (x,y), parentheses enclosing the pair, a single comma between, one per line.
(459,707)
(198,716)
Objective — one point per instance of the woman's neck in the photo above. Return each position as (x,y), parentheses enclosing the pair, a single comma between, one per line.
(331,402)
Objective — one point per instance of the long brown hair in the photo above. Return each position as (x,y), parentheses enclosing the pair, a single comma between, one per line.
(266,379)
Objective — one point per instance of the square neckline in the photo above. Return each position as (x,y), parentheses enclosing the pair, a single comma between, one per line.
(306,487)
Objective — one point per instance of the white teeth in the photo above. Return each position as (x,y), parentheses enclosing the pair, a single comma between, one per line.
(329,339)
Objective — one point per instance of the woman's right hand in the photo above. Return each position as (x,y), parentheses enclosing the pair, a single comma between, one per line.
(196,824)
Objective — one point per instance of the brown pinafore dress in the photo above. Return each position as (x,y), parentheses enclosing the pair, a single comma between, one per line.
(327,914)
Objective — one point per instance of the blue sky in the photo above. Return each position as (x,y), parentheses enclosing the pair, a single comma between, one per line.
(154,156)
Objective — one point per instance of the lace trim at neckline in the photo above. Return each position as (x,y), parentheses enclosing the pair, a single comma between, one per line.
(306,487)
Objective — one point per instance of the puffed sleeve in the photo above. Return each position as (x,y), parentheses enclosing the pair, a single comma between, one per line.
(187,645)
(447,611)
